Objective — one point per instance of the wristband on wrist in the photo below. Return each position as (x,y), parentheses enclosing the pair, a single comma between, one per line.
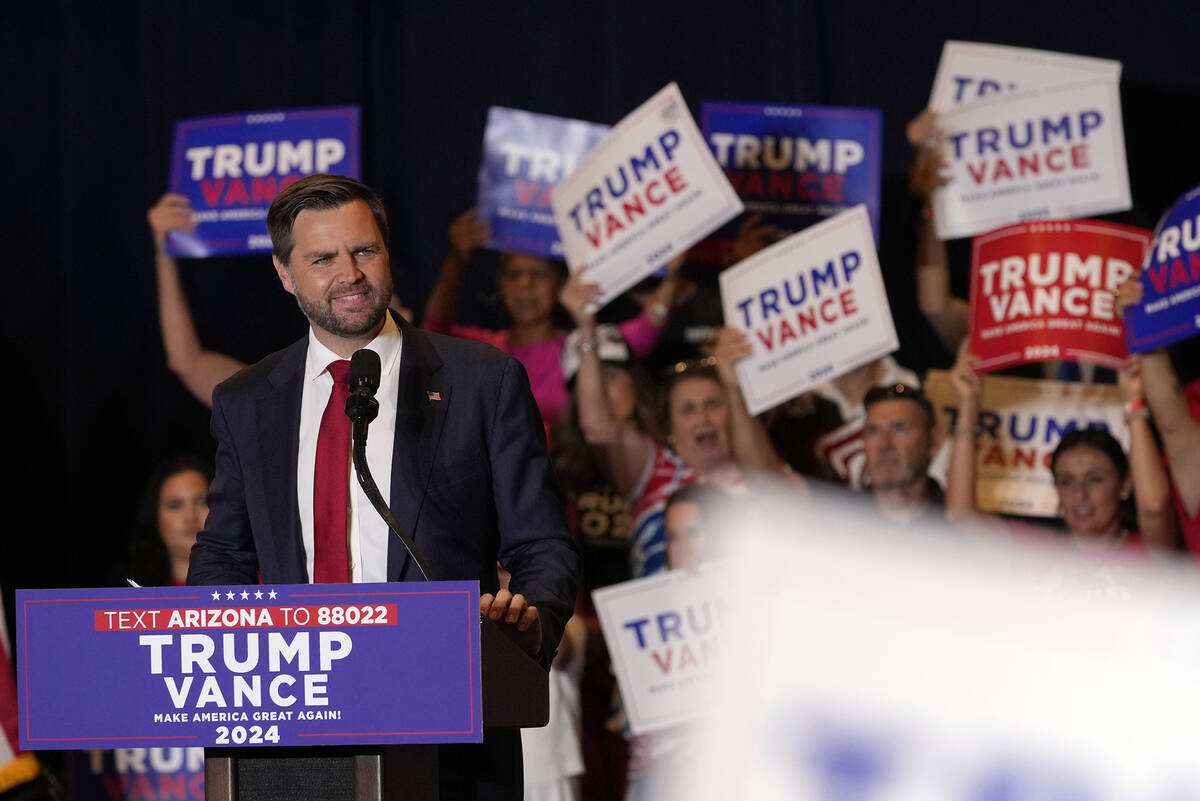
(1136,410)
(586,346)
(974,430)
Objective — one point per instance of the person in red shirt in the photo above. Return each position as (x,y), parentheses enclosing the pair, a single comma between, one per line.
(1176,414)
(1092,475)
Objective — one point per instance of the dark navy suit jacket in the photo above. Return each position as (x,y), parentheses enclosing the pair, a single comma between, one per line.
(471,479)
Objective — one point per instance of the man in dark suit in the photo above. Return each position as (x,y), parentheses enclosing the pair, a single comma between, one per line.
(458,433)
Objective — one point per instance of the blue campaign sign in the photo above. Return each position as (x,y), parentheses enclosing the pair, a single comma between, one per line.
(1170,309)
(232,166)
(134,774)
(797,165)
(259,665)
(525,155)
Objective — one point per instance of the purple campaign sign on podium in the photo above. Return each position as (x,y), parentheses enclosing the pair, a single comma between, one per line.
(307,664)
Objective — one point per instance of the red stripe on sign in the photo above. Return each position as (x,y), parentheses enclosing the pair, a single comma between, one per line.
(332,616)
(8,700)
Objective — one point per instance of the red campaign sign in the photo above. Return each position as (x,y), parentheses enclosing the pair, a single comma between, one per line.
(1044,291)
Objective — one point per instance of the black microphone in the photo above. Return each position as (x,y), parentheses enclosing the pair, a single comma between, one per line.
(362,408)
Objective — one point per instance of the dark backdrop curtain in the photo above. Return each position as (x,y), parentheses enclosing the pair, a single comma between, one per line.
(92,90)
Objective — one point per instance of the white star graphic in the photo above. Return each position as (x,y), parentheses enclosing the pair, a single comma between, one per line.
(245,595)
(216,595)
(258,593)
(229,595)
(271,594)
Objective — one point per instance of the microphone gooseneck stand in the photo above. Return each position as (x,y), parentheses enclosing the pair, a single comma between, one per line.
(512,685)
(362,408)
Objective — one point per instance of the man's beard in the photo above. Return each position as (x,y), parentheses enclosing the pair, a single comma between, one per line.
(321,314)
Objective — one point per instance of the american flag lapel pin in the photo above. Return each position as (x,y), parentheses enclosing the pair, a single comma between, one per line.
(433,395)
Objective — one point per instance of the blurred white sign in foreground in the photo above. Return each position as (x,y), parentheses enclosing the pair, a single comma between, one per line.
(663,634)
(862,663)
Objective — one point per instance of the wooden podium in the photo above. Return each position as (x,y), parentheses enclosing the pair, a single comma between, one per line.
(515,695)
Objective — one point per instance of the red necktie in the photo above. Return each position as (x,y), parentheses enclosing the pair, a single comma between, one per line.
(331,483)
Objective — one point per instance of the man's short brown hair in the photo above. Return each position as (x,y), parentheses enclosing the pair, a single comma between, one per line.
(902,392)
(320,192)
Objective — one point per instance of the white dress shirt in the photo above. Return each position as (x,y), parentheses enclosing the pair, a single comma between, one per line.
(368,532)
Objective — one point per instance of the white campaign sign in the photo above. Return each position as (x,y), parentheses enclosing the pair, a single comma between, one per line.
(1051,153)
(919,665)
(1021,421)
(663,634)
(814,307)
(970,71)
(645,193)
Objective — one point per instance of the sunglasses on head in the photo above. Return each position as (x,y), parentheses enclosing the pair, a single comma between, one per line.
(679,368)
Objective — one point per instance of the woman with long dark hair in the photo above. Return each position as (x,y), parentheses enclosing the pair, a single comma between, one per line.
(1106,499)
(172,512)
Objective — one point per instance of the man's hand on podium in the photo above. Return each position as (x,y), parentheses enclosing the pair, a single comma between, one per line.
(515,617)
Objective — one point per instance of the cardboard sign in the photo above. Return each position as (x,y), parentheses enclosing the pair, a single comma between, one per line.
(1044,291)
(525,155)
(881,664)
(647,192)
(663,633)
(1170,309)
(1021,421)
(797,165)
(231,167)
(814,307)
(261,665)
(135,774)
(970,71)
(1047,153)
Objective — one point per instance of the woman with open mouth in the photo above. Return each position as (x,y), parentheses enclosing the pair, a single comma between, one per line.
(711,435)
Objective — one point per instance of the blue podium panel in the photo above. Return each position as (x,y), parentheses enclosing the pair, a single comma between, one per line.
(308,664)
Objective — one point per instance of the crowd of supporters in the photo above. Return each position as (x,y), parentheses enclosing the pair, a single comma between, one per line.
(647,430)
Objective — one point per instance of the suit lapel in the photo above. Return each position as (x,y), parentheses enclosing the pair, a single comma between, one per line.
(421,404)
(279,425)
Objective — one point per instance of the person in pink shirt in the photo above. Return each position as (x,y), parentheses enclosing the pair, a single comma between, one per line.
(530,286)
